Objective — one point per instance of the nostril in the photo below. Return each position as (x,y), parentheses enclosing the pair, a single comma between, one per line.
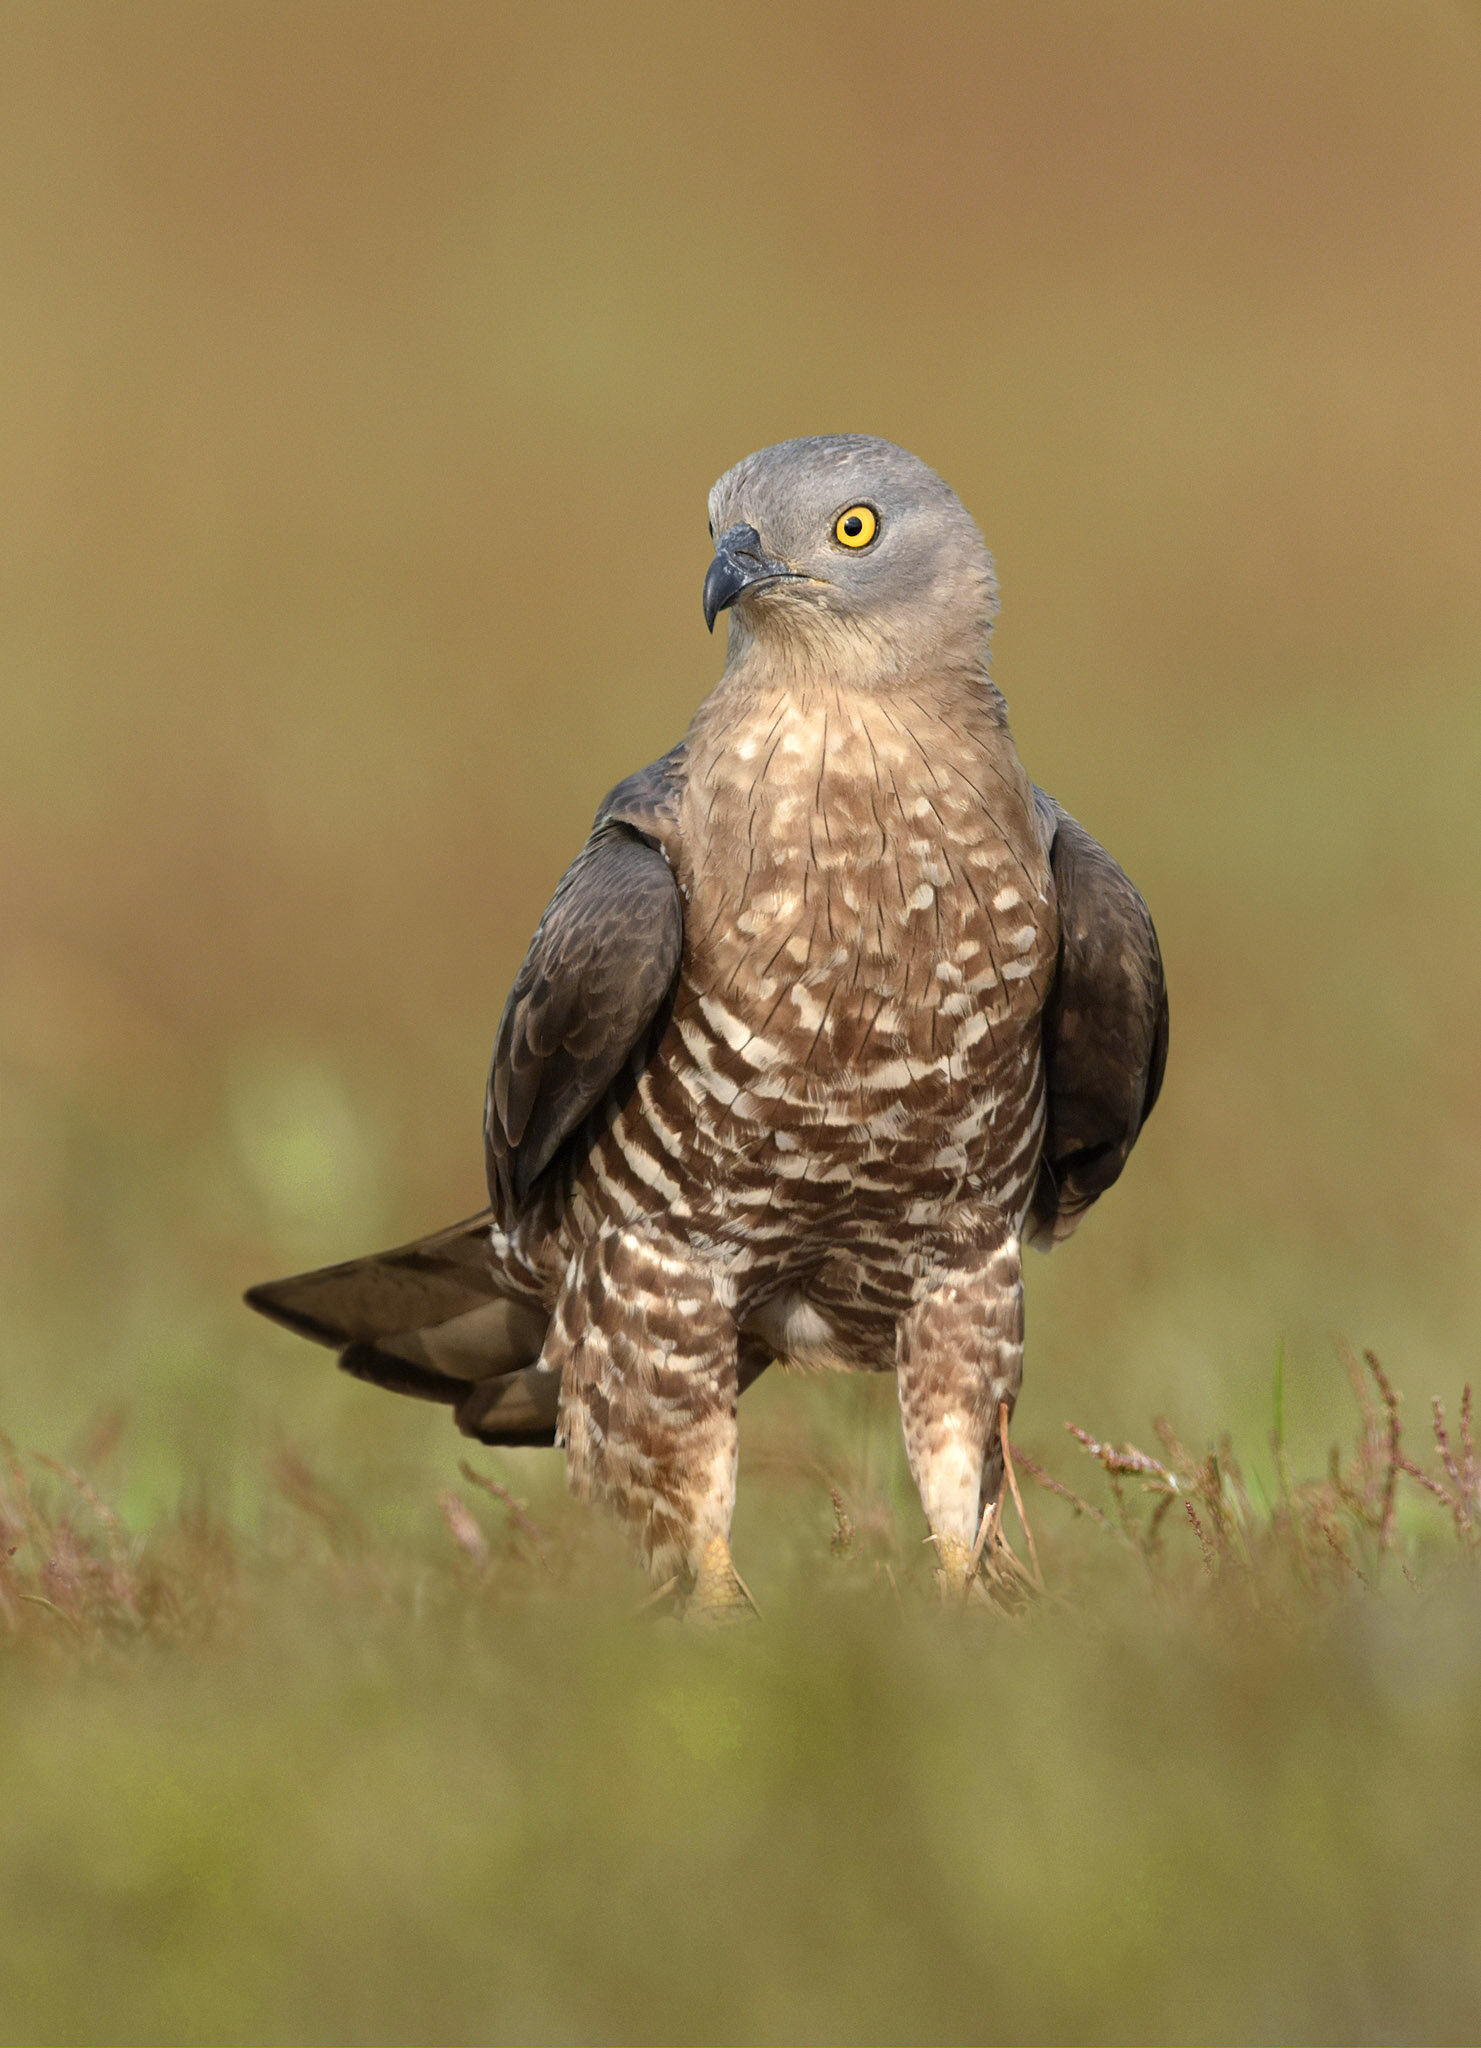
(741,540)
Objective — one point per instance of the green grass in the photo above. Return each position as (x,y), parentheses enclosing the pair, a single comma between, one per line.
(442,1781)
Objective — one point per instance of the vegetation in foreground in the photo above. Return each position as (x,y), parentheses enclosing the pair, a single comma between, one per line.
(1193,1767)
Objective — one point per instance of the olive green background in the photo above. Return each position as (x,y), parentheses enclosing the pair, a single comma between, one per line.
(363,370)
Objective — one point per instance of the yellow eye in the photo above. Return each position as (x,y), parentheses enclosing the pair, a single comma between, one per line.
(856,527)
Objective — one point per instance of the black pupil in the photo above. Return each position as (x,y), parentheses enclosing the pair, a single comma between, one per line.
(853,524)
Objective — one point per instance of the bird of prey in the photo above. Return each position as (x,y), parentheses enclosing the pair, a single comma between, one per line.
(831,1014)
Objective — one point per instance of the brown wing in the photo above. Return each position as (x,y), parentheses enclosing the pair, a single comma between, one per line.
(1105,1028)
(440,1319)
(600,968)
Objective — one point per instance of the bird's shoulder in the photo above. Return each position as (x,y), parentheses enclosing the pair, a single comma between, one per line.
(649,802)
(597,973)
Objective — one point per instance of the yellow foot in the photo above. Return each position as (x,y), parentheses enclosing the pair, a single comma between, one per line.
(720,1594)
(954,1567)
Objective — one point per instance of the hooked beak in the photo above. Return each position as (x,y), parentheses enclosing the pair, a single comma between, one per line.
(740,564)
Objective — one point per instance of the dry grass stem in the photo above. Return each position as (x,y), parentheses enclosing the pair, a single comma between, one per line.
(68,1562)
(843,1527)
(518,1514)
(463,1529)
(1033,1548)
(1319,1531)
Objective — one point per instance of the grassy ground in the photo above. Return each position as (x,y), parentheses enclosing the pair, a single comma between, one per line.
(362,372)
(433,1780)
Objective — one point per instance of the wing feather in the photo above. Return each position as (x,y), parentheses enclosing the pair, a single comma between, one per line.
(435,1319)
(600,969)
(1105,1027)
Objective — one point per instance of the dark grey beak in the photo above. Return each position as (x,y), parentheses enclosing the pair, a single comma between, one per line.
(740,564)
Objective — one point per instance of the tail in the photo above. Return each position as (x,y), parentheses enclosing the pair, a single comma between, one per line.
(432,1320)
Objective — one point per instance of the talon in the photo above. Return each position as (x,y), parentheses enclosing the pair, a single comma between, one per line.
(658,1596)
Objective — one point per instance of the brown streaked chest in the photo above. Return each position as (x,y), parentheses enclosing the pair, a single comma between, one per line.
(866,892)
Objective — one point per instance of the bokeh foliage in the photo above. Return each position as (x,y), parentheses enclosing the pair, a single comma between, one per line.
(362,371)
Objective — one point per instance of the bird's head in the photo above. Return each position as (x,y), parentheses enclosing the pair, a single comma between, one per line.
(848,547)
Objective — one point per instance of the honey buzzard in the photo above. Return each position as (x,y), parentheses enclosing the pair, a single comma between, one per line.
(832,1012)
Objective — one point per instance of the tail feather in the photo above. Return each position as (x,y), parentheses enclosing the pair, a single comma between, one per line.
(384,1369)
(415,1287)
(430,1320)
(520,1408)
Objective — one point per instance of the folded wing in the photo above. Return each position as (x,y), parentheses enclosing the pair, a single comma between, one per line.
(600,969)
(1105,1028)
(449,1318)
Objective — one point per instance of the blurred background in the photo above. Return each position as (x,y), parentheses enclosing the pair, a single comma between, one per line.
(363,370)
(364,373)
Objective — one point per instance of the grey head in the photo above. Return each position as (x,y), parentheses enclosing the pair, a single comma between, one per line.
(846,549)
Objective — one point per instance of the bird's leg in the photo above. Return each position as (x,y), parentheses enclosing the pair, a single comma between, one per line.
(720,1593)
(959,1356)
(646,1345)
